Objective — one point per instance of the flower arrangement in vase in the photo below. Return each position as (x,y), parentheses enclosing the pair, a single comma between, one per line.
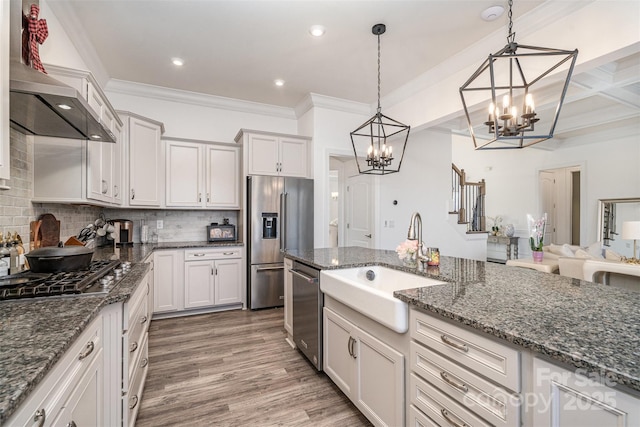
(536,235)
(407,251)
(497,225)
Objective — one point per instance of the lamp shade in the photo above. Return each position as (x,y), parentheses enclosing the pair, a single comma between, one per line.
(631,230)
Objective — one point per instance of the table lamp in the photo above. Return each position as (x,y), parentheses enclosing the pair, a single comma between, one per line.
(631,231)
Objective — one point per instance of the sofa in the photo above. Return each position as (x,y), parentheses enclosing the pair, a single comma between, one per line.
(594,264)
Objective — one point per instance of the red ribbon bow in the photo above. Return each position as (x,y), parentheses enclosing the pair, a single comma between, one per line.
(35,32)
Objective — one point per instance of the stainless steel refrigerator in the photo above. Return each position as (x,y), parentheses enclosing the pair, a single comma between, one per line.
(279,217)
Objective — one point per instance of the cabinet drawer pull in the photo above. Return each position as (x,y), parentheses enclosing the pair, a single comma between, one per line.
(199,197)
(227,253)
(116,191)
(133,194)
(105,187)
(199,255)
(40,417)
(460,386)
(134,399)
(143,320)
(349,347)
(445,339)
(144,362)
(72,424)
(87,350)
(133,347)
(447,416)
(208,198)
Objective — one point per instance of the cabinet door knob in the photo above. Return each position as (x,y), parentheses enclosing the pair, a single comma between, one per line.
(143,319)
(72,424)
(133,194)
(199,197)
(40,417)
(133,402)
(87,350)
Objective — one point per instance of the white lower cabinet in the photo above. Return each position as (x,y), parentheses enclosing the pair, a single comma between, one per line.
(73,391)
(168,280)
(368,371)
(562,398)
(136,316)
(458,376)
(288,300)
(201,278)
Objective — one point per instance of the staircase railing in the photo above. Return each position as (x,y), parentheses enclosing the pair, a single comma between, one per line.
(468,201)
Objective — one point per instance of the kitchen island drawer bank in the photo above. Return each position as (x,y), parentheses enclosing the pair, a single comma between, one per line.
(474,341)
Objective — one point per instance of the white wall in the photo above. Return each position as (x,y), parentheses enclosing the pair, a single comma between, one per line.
(196,120)
(609,169)
(423,186)
(58,48)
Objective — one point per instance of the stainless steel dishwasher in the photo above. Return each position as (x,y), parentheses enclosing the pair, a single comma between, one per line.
(308,301)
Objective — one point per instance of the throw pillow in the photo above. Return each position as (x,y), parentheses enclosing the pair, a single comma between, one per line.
(612,255)
(581,253)
(595,250)
(561,250)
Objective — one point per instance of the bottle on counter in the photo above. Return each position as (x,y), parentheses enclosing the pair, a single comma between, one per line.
(14,256)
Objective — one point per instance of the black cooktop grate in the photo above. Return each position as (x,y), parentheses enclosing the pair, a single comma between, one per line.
(63,283)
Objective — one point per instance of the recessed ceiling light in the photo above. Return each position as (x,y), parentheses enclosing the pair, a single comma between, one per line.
(178,62)
(279,82)
(317,30)
(64,107)
(492,13)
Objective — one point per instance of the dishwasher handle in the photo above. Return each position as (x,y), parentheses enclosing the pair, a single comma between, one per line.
(304,276)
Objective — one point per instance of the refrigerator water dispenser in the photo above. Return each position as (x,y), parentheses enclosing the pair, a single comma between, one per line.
(269,225)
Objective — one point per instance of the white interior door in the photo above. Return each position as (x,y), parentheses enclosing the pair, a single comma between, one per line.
(548,196)
(359,212)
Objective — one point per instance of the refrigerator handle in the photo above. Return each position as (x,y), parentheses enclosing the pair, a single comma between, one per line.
(283,221)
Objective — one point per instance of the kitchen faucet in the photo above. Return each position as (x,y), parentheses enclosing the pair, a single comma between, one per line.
(415,233)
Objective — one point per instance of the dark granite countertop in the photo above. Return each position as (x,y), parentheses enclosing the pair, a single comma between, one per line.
(35,333)
(582,324)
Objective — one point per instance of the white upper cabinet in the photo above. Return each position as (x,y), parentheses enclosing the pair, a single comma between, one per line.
(275,154)
(97,177)
(144,150)
(201,175)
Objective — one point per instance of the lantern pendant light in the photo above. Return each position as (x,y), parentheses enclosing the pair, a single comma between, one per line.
(513,75)
(380,142)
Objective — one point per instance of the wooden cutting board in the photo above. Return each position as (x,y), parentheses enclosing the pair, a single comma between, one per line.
(34,235)
(49,230)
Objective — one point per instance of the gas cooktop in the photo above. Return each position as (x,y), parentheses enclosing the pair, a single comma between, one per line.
(99,277)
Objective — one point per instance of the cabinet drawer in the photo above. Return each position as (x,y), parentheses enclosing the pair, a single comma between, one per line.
(493,403)
(137,332)
(439,407)
(204,254)
(486,356)
(139,374)
(132,307)
(418,419)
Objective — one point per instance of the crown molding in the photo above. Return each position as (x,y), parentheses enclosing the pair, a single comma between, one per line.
(195,98)
(314,100)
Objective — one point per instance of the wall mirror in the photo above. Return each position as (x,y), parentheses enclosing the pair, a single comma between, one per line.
(612,213)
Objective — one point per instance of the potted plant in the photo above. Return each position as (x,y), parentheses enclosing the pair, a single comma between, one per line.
(536,235)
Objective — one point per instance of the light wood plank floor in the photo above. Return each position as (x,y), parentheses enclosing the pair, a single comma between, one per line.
(234,368)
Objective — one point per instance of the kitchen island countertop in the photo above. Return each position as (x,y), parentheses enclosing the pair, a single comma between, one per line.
(582,324)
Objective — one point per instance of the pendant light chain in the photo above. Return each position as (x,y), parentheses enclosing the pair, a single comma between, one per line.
(510,35)
(379,108)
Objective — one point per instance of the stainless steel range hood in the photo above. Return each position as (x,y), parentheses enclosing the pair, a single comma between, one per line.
(42,105)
